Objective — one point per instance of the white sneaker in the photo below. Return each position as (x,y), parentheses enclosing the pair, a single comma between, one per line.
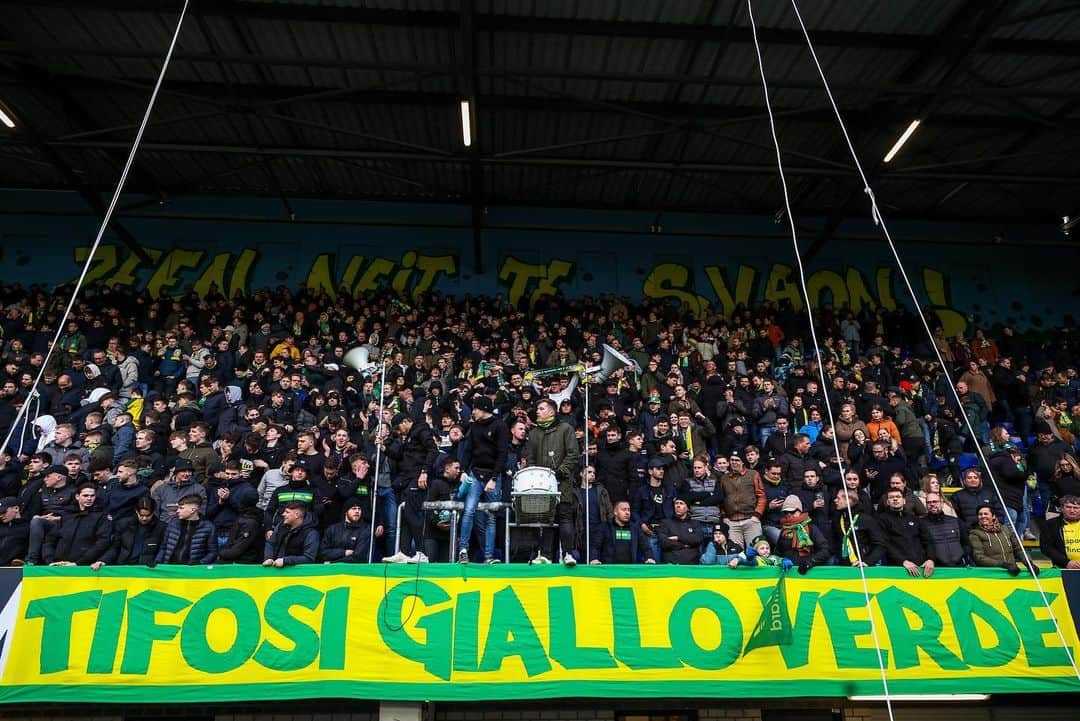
(463,555)
(398,557)
(419,558)
(539,561)
(569,561)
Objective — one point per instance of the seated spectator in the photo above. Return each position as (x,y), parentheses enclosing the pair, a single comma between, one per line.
(680,536)
(945,542)
(137,536)
(188,539)
(14,533)
(82,539)
(759,553)
(623,540)
(801,541)
(124,490)
(244,544)
(719,549)
(294,539)
(349,540)
(994,545)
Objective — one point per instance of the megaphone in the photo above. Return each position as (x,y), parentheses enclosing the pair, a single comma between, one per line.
(613,360)
(357,359)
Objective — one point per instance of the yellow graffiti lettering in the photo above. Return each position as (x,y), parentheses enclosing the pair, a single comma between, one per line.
(858,294)
(884,288)
(520,275)
(671,280)
(830,282)
(348,278)
(213,275)
(239,282)
(376,270)
(744,287)
(779,286)
(319,277)
(952,322)
(125,274)
(104,259)
(430,266)
(167,274)
(401,278)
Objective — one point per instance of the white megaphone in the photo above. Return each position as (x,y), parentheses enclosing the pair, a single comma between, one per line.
(613,360)
(357,359)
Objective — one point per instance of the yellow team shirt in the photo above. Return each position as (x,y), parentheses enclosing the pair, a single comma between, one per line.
(1071,532)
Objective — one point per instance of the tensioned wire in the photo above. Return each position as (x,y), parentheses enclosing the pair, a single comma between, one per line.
(879,220)
(101,230)
(820,364)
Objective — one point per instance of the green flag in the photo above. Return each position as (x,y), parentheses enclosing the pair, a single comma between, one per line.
(774,626)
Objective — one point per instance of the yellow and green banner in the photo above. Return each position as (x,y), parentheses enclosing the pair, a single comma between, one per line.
(453,633)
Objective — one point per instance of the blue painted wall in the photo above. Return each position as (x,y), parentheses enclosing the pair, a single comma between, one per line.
(707,262)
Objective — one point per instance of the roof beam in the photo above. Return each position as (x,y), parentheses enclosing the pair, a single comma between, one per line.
(507,23)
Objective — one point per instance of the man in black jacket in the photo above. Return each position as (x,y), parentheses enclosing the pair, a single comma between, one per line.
(902,544)
(680,536)
(974,494)
(244,543)
(858,538)
(137,537)
(189,540)
(294,540)
(46,502)
(83,537)
(350,539)
(14,532)
(488,444)
(623,541)
(945,542)
(1060,539)
(415,454)
(616,466)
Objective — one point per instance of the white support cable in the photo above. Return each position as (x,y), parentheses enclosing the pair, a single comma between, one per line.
(880,221)
(62,322)
(378,463)
(817,353)
(585,383)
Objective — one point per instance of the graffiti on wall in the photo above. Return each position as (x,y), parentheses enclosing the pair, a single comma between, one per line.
(714,289)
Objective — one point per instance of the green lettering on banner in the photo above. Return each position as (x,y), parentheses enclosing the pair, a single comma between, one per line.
(845,631)
(681,633)
(628,648)
(438,627)
(110,618)
(511,633)
(964,607)
(1022,605)
(467,631)
(898,608)
(143,629)
(194,644)
(305,641)
(563,624)
(334,629)
(56,612)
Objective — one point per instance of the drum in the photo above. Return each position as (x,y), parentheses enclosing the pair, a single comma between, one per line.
(535,491)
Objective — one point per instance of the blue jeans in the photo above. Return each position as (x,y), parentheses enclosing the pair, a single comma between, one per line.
(764,433)
(387,504)
(486,521)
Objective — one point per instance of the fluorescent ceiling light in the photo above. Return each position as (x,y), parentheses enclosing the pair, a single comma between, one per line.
(466,124)
(932,697)
(6,119)
(903,139)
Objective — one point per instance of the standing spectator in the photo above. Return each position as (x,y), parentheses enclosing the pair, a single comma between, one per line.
(14,533)
(680,536)
(1060,539)
(552,445)
(414,452)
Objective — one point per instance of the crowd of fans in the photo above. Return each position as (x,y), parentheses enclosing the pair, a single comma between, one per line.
(195,430)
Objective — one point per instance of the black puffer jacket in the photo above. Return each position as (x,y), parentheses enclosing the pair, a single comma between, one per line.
(83,537)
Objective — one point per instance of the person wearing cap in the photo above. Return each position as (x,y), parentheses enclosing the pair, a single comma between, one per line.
(650,414)
(552,444)
(621,540)
(46,503)
(487,446)
(349,540)
(83,537)
(188,539)
(653,503)
(299,489)
(293,540)
(181,483)
(14,532)
(720,550)
(414,453)
(680,536)
(800,540)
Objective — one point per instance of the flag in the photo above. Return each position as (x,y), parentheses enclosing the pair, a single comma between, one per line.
(774,626)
